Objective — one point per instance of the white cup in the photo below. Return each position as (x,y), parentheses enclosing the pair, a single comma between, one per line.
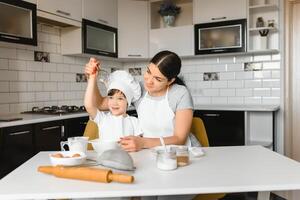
(75,144)
(103,145)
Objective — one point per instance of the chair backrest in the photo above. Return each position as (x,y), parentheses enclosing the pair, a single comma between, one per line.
(198,129)
(91,131)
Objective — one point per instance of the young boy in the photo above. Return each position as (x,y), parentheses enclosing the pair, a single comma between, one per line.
(122,90)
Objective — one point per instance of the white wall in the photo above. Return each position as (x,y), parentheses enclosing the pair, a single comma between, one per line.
(235,86)
(25,83)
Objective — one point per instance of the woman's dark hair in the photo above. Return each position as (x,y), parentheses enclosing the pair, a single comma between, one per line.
(169,64)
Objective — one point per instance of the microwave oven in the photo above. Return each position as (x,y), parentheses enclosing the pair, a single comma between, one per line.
(99,39)
(18,22)
(220,37)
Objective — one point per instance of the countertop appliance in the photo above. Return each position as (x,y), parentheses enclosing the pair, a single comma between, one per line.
(220,37)
(18,22)
(56,110)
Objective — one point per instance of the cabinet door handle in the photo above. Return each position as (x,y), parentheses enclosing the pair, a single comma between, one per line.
(63,12)
(211,115)
(103,21)
(218,50)
(134,55)
(10,37)
(218,18)
(19,133)
(62,131)
(50,128)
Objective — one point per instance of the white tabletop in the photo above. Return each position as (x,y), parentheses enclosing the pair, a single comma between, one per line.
(222,169)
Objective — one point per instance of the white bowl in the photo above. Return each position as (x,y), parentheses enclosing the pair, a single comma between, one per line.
(103,145)
(66,158)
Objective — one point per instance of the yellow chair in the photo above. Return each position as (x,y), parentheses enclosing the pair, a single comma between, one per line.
(91,131)
(198,129)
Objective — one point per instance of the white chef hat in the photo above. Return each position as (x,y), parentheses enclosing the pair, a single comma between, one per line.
(126,83)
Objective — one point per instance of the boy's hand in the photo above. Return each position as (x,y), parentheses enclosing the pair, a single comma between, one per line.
(92,68)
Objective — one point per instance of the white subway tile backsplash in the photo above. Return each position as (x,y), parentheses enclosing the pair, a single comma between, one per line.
(49,86)
(253,100)
(50,29)
(56,96)
(56,77)
(203,84)
(227,92)
(275,83)
(219,84)
(201,100)
(227,76)
(262,74)
(77,68)
(226,59)
(8,97)
(210,92)
(253,83)
(8,53)
(219,100)
(275,92)
(3,64)
(235,100)
(26,97)
(241,59)
(6,75)
(236,84)
(51,48)
(18,107)
(69,95)
(244,75)
(42,96)
(64,86)
(49,67)
(4,86)
(276,57)
(18,86)
(262,57)
(42,76)
(243,92)
(56,58)
(69,60)
(4,108)
(43,37)
(34,66)
(235,67)
(17,65)
(219,68)
(69,77)
(271,65)
(63,68)
(262,92)
(276,74)
(35,86)
(271,100)
(54,39)
(25,54)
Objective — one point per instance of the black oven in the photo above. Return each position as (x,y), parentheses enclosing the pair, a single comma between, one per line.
(220,37)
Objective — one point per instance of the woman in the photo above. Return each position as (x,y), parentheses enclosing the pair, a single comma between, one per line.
(165,108)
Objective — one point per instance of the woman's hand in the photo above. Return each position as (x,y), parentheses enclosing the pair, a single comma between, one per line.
(92,68)
(132,143)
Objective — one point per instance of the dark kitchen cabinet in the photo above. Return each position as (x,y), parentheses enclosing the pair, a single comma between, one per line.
(48,135)
(224,128)
(17,146)
(75,127)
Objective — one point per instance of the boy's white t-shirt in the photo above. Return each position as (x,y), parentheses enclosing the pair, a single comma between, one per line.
(113,127)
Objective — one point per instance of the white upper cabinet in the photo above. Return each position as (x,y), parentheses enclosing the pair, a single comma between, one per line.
(133,29)
(177,39)
(63,8)
(219,10)
(101,11)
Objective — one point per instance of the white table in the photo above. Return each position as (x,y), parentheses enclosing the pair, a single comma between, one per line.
(222,169)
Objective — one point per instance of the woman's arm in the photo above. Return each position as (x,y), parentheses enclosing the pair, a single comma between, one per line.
(183,122)
(93,98)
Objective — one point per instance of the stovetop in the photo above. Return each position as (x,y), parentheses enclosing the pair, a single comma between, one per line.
(56,110)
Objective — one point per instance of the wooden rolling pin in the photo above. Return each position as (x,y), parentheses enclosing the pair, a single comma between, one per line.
(87,174)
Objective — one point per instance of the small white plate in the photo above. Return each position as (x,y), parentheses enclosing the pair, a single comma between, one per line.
(67,158)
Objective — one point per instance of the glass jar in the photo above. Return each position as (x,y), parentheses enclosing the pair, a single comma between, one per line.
(182,154)
(166,160)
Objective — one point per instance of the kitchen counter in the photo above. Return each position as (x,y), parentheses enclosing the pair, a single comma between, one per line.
(237,107)
(37,118)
